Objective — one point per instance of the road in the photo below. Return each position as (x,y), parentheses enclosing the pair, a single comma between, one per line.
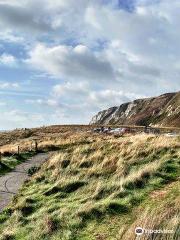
(11,182)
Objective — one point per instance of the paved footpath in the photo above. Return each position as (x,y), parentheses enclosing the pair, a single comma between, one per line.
(11,182)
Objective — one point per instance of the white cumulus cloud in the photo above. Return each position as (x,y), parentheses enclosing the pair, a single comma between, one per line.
(8,59)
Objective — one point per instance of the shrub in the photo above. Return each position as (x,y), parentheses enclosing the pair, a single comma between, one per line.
(33,170)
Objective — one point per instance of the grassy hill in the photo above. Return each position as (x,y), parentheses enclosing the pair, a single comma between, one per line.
(98,187)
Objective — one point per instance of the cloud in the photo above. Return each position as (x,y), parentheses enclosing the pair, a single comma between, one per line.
(23,17)
(8,37)
(91,17)
(4,85)
(108,98)
(15,115)
(71,90)
(70,63)
(3,103)
(46,103)
(82,92)
(21,117)
(8,59)
(16,85)
(110,44)
(53,17)
(59,114)
(144,70)
(7,85)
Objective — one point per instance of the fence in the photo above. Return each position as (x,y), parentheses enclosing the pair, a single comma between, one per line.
(19,150)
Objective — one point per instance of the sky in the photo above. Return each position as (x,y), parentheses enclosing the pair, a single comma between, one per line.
(61,61)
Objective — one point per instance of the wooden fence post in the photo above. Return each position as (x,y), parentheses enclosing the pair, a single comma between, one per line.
(18,150)
(36,146)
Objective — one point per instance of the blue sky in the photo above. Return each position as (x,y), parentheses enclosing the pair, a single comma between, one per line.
(63,61)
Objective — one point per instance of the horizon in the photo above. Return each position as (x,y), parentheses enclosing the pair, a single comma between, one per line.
(78,124)
(77,58)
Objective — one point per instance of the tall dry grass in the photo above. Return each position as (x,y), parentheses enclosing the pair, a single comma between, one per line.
(98,185)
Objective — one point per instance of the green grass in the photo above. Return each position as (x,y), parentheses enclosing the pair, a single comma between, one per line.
(9,162)
(4,169)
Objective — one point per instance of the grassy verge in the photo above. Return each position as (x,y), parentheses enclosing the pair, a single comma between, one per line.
(9,161)
(100,190)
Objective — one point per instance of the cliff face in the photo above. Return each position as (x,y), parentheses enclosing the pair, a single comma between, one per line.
(156,111)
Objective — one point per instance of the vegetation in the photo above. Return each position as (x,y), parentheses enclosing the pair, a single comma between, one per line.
(32,170)
(156,111)
(9,161)
(97,187)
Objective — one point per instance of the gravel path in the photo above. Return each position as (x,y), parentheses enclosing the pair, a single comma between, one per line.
(11,182)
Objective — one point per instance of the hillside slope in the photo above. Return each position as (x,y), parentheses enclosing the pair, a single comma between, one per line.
(101,189)
(163,110)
